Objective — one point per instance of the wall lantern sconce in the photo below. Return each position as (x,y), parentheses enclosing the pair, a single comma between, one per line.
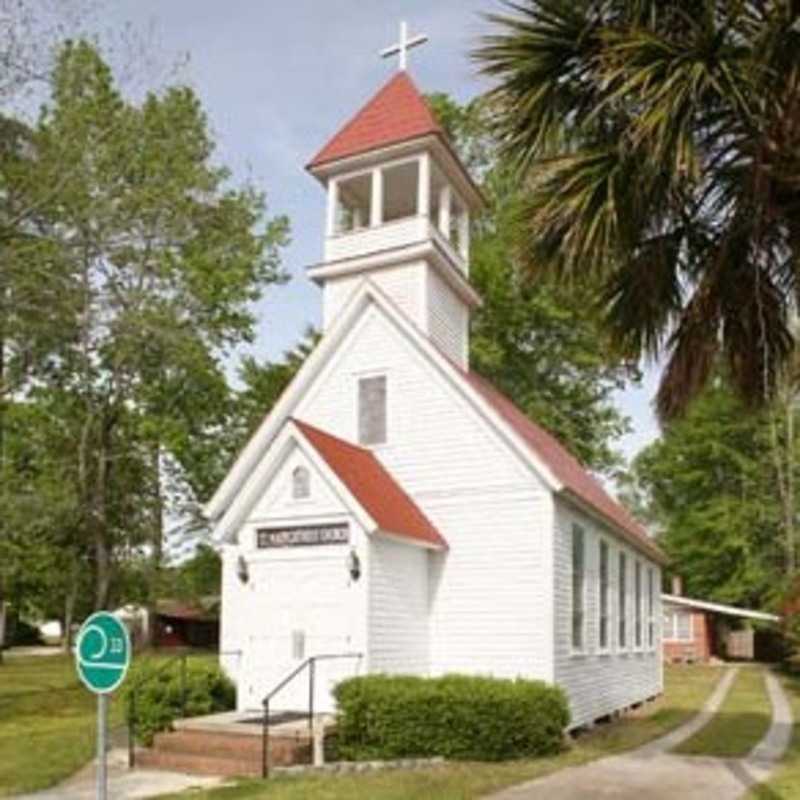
(354,566)
(242,570)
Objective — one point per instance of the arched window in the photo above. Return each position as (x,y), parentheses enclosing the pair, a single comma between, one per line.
(301,483)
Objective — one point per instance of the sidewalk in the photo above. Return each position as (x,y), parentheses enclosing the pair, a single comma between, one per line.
(654,773)
(123,783)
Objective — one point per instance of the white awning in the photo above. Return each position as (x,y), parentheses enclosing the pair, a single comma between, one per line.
(718,608)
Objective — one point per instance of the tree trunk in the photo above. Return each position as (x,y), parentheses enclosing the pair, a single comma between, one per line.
(789,511)
(102,534)
(69,609)
(3,605)
(3,617)
(783,462)
(157,544)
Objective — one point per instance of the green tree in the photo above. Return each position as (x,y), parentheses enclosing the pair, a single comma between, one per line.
(710,485)
(543,346)
(262,384)
(161,261)
(198,579)
(658,145)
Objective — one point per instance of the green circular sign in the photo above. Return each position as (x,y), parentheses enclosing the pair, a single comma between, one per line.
(102,652)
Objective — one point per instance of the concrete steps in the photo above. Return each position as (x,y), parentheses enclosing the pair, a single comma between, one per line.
(203,752)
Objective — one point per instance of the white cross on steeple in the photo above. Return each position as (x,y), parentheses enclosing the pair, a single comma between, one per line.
(404,45)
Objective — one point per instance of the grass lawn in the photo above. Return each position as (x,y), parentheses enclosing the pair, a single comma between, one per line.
(686,689)
(785,782)
(47,722)
(740,723)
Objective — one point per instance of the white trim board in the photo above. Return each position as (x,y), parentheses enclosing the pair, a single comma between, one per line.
(731,611)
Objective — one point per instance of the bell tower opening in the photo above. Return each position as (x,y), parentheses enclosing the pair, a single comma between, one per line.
(399,208)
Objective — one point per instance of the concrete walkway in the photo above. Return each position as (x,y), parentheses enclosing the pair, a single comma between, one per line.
(123,784)
(654,773)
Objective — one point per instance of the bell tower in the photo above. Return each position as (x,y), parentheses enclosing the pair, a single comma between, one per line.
(399,208)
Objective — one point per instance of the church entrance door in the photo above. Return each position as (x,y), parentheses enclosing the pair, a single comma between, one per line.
(307,609)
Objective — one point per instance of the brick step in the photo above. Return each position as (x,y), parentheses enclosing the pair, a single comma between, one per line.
(198,764)
(228,744)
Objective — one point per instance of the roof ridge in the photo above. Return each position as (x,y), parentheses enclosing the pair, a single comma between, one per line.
(372,485)
(302,424)
(565,465)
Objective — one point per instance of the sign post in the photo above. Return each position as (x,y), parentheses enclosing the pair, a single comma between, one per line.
(102,658)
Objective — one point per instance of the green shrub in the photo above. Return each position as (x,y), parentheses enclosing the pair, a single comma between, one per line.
(456,716)
(159,695)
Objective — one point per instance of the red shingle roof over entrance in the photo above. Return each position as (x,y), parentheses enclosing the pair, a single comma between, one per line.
(566,468)
(397,113)
(373,487)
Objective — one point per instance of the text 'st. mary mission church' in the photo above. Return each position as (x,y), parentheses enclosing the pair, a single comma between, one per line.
(394,504)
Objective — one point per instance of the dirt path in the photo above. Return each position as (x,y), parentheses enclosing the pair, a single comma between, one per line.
(653,772)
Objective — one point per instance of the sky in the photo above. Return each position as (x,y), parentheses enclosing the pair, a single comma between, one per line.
(278,78)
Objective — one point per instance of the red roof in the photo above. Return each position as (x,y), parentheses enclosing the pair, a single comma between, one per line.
(374,488)
(397,113)
(566,468)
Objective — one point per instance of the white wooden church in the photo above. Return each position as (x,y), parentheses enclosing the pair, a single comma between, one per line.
(397,506)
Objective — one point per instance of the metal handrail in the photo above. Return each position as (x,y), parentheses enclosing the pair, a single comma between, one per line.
(182,658)
(310,663)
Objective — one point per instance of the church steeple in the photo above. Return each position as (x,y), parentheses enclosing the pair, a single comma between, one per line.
(399,209)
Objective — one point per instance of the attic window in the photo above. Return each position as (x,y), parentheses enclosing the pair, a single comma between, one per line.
(301,483)
(372,410)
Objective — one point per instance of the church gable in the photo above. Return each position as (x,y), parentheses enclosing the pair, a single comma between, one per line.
(296,489)
(435,438)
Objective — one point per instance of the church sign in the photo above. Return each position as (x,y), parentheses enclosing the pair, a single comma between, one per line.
(302,536)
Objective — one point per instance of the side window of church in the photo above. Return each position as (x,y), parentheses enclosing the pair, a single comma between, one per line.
(372,410)
(578,581)
(301,483)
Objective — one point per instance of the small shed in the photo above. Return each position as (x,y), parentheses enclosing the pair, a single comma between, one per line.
(182,624)
(173,623)
(699,631)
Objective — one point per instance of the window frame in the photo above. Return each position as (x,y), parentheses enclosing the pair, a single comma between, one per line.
(581,647)
(604,596)
(638,606)
(296,471)
(671,634)
(361,376)
(623,601)
(651,609)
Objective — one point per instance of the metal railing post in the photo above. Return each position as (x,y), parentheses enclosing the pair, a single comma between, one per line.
(265,741)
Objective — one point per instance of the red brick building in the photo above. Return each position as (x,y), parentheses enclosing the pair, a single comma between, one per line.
(697,630)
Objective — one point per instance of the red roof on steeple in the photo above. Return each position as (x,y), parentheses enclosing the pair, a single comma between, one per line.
(397,113)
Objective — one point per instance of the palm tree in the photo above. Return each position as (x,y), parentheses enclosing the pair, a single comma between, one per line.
(659,144)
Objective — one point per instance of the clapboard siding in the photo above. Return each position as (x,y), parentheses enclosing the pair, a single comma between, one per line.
(367,241)
(448,319)
(398,619)
(491,590)
(291,590)
(277,502)
(599,683)
(437,443)
(403,285)
(233,623)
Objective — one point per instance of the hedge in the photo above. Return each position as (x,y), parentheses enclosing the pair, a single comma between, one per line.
(158,694)
(456,716)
